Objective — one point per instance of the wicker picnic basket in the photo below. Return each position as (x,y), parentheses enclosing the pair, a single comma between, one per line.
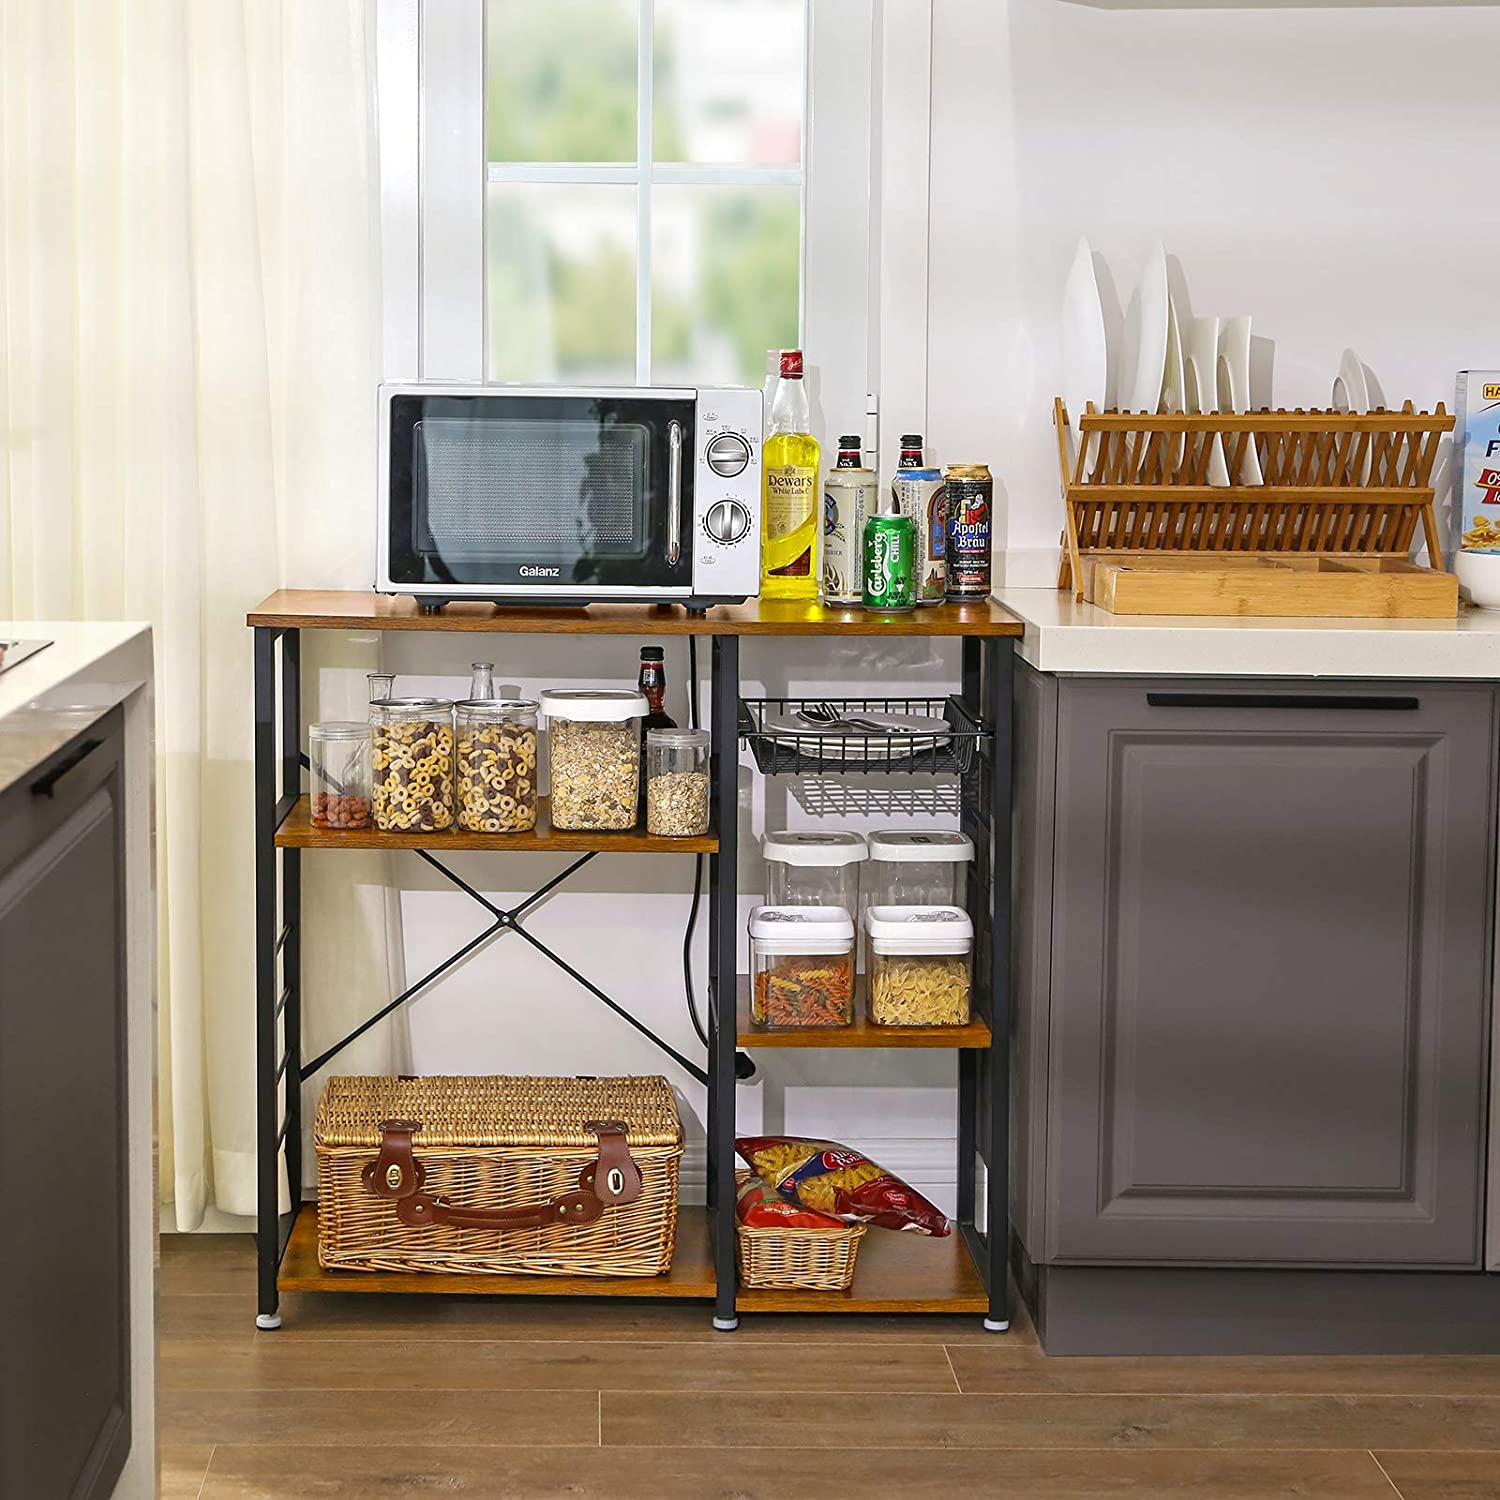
(542,1176)
(820,1260)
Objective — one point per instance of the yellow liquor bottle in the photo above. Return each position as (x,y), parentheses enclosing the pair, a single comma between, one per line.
(789,565)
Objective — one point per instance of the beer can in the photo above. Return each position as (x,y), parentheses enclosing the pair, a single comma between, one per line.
(890,555)
(848,502)
(968,499)
(918,493)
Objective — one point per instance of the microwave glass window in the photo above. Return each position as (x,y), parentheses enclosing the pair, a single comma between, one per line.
(542,490)
(553,490)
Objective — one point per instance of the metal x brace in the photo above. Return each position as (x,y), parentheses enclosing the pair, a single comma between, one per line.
(504,921)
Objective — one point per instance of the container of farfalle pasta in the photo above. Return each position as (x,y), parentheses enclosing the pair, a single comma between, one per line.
(920,965)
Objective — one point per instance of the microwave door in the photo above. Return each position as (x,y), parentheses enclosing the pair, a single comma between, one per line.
(542,494)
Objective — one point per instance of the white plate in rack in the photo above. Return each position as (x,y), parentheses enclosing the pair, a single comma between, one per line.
(1085,348)
(901,737)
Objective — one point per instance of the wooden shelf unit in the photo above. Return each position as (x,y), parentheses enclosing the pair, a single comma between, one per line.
(962,1273)
(296,832)
(863,1033)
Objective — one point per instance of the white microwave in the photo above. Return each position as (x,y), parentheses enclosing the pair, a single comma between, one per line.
(559,495)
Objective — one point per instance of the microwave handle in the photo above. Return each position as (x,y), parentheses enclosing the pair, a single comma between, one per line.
(674,493)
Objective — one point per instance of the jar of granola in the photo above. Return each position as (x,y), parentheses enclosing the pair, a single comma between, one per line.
(594,741)
(411,763)
(497,768)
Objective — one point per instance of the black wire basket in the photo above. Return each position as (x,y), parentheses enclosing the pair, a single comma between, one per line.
(842,749)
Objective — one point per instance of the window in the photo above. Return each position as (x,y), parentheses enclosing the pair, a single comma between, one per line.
(627,191)
(644,185)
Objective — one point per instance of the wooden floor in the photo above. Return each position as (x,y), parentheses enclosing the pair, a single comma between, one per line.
(375,1396)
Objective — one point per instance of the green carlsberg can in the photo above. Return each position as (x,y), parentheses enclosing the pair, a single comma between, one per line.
(890,562)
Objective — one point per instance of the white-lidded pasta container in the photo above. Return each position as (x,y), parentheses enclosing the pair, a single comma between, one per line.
(813,869)
(915,867)
(594,740)
(921,961)
(801,967)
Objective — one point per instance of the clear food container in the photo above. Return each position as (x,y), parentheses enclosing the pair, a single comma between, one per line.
(339,753)
(813,869)
(916,867)
(920,965)
(411,759)
(497,769)
(595,746)
(677,782)
(801,967)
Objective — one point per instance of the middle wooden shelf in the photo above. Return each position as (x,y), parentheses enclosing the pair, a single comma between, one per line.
(297,832)
(862,1033)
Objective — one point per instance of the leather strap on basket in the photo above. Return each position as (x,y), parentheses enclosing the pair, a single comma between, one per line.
(611,1178)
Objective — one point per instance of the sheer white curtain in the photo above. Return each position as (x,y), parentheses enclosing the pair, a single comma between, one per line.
(187,376)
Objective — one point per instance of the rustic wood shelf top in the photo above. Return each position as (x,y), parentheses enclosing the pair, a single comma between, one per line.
(863,1033)
(297,832)
(305,609)
(895,1273)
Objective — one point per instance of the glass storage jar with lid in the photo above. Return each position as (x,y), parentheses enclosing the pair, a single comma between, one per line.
(813,869)
(339,754)
(411,759)
(497,764)
(677,782)
(917,867)
(920,959)
(801,966)
(594,740)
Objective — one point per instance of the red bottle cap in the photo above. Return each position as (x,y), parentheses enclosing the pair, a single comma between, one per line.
(791,364)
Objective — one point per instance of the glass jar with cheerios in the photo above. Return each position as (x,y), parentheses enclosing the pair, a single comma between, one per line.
(411,764)
(497,765)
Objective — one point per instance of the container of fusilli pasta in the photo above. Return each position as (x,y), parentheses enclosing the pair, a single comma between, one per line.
(802,967)
(920,965)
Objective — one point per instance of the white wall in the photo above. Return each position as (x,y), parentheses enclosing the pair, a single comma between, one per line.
(1329,172)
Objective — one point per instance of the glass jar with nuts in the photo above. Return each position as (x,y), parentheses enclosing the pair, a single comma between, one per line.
(677,782)
(339,755)
(497,770)
(411,763)
(595,748)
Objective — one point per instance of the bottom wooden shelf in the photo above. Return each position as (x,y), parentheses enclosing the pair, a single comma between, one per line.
(897,1273)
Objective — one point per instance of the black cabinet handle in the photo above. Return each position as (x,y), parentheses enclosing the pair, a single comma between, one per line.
(1351,702)
(46,786)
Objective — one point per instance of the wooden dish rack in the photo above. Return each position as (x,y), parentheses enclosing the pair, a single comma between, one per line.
(1327,532)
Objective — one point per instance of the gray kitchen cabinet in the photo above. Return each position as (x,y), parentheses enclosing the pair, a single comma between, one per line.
(1253,971)
(65,1408)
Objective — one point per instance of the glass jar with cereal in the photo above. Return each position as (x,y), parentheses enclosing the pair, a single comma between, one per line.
(411,762)
(594,741)
(497,768)
(677,782)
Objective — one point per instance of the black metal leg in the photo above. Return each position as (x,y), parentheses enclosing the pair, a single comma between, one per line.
(996,1127)
(291,913)
(268,1236)
(723,910)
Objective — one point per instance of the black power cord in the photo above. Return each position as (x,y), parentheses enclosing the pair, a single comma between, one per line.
(744,1064)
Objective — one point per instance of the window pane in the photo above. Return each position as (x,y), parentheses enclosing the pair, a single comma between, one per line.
(560,80)
(728,81)
(725,269)
(561,283)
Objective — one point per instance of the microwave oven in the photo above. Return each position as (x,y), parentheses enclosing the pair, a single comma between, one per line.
(558,495)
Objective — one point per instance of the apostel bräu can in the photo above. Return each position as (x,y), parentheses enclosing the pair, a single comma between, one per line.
(848,502)
(890,547)
(918,493)
(968,499)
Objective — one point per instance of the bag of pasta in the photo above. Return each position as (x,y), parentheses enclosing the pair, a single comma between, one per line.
(758,1206)
(834,1179)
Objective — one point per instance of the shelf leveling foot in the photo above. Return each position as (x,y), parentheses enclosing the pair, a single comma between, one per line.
(268,1321)
(997,1325)
(726,1325)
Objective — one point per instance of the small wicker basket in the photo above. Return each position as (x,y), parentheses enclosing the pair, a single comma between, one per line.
(820,1260)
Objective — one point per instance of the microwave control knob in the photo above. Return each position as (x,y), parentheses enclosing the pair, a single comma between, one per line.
(727,521)
(728,455)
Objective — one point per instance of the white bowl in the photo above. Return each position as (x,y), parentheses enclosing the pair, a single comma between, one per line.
(1479,578)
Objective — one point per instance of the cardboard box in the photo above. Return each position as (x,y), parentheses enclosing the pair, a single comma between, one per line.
(1476,461)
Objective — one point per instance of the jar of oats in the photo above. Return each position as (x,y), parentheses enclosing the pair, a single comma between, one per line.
(411,764)
(594,740)
(497,770)
(677,782)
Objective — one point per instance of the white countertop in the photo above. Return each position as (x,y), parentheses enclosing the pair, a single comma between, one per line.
(48,698)
(1064,636)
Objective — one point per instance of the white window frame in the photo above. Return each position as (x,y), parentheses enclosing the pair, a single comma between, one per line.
(434,168)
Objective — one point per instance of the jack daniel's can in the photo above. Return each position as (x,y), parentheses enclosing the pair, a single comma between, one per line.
(968,500)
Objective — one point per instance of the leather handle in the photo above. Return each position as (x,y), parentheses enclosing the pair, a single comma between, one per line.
(611,1178)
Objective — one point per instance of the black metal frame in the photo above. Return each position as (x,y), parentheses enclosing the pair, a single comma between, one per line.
(985,702)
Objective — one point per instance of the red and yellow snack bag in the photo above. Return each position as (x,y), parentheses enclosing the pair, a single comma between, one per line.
(838,1180)
(757,1206)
